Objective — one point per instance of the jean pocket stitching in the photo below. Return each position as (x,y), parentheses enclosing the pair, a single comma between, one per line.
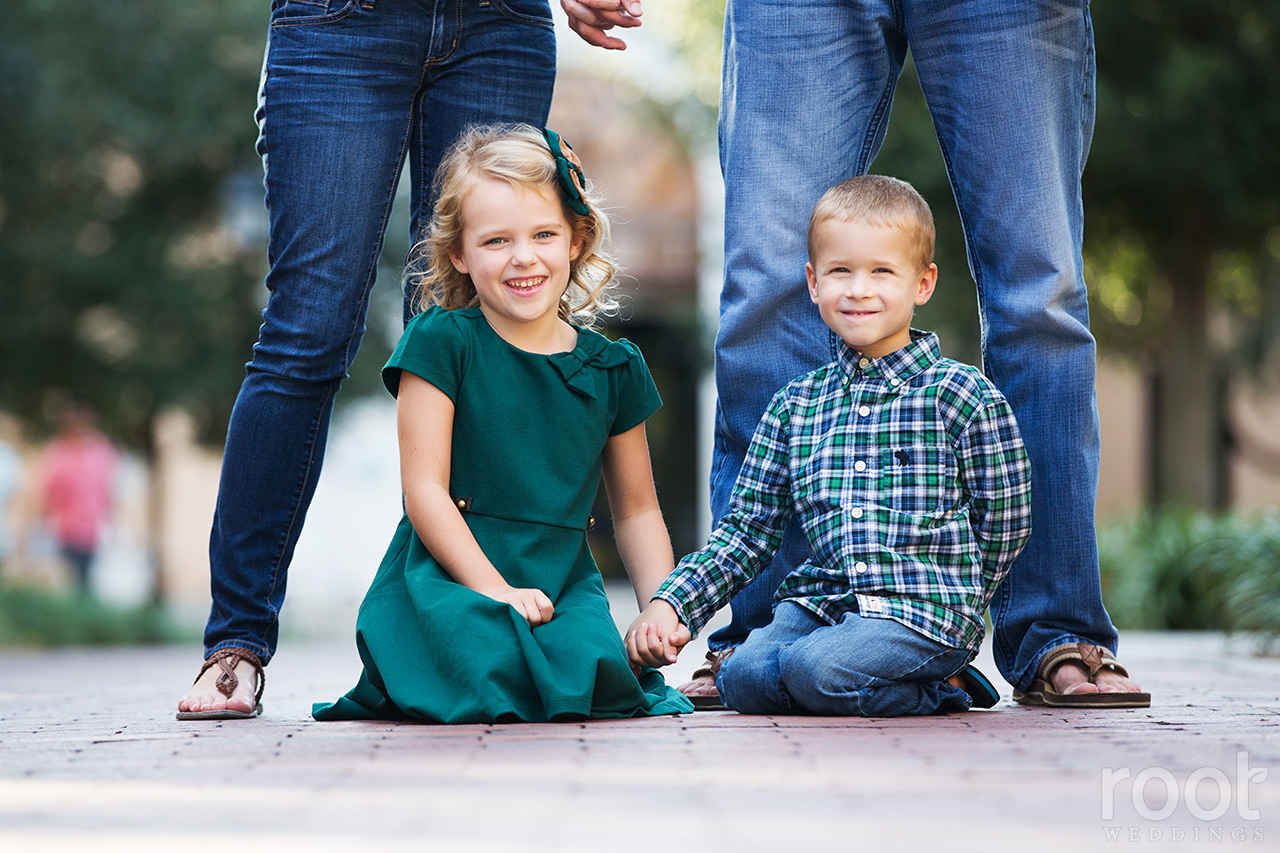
(317,20)
(520,17)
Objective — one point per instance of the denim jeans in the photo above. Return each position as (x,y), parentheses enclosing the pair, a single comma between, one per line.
(861,667)
(350,89)
(1010,84)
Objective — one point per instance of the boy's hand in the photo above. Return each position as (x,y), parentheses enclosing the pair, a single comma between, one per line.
(532,604)
(656,636)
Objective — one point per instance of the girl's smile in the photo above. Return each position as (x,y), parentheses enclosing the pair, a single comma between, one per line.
(525,285)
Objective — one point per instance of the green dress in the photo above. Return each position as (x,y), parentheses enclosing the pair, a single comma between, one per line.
(528,433)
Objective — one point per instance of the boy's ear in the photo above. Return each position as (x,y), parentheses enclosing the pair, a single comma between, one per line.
(812,279)
(928,280)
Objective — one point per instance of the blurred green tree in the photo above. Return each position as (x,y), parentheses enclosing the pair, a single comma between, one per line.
(126,278)
(1182,197)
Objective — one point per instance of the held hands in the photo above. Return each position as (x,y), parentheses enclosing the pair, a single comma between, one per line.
(532,604)
(591,18)
(656,636)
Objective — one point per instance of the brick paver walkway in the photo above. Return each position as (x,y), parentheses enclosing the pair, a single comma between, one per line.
(91,758)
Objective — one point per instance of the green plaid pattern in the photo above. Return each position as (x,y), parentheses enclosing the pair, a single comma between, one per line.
(912,484)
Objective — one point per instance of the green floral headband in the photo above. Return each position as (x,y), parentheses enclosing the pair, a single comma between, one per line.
(569,171)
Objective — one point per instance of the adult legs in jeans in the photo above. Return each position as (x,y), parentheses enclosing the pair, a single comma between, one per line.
(860,667)
(349,91)
(784,139)
(1010,88)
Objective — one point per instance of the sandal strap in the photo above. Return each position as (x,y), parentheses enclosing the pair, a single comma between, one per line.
(227,660)
(707,667)
(711,666)
(1095,658)
(719,662)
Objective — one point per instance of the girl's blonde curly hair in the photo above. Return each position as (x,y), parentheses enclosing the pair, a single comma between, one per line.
(517,154)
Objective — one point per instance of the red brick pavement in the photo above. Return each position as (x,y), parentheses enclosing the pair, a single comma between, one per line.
(91,758)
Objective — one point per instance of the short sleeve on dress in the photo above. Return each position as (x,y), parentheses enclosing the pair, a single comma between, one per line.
(434,347)
(638,396)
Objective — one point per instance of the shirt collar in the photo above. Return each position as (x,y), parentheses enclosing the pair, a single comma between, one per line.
(916,357)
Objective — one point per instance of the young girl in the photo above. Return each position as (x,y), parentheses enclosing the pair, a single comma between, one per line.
(488,605)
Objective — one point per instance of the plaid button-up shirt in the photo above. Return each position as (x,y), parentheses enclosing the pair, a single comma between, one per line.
(912,484)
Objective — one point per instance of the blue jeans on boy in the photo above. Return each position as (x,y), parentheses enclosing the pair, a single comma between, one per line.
(1010,84)
(861,667)
(350,89)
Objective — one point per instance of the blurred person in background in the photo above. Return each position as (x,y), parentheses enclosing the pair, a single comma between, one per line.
(12,476)
(76,487)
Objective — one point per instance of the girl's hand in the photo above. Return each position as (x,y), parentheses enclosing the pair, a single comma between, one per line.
(656,636)
(532,604)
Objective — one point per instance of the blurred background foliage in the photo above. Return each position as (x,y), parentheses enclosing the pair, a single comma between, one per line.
(1182,201)
(131,259)
(38,618)
(1186,571)
(126,137)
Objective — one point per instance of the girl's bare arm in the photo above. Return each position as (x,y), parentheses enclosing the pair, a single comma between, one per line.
(638,526)
(643,542)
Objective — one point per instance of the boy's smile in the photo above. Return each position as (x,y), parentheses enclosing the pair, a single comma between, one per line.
(866,280)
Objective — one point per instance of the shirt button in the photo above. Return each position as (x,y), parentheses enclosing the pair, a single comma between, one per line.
(863,362)
(864,411)
(859,567)
(894,382)
(859,465)
(856,512)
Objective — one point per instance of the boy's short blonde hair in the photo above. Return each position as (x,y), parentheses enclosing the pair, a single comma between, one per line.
(878,200)
(517,154)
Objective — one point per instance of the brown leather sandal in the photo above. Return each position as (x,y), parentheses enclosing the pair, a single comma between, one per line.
(710,668)
(1095,659)
(227,660)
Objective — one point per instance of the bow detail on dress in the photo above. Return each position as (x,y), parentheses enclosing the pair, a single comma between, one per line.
(599,353)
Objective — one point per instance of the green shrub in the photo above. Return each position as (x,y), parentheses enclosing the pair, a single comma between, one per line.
(37,617)
(1180,570)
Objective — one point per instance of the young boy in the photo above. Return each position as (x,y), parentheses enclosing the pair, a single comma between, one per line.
(909,478)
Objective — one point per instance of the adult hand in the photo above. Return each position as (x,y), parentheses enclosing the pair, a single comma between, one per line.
(532,604)
(591,19)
